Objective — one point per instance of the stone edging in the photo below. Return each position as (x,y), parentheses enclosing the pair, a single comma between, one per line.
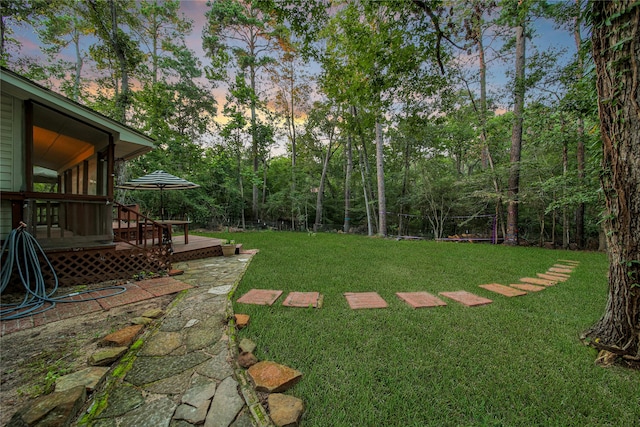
(258,412)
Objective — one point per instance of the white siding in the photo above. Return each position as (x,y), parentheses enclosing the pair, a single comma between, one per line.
(11,155)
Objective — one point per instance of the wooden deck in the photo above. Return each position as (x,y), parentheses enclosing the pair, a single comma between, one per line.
(198,247)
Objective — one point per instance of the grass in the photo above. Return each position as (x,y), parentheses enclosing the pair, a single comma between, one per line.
(516,362)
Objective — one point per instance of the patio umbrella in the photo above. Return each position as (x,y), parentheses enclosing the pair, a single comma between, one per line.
(158,180)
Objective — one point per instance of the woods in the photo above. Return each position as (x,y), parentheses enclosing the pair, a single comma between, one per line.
(368,117)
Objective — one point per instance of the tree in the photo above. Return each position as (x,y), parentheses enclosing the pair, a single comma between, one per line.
(616,52)
(241,29)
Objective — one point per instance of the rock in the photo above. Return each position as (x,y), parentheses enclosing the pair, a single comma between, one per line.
(246,359)
(272,377)
(242,320)
(190,414)
(122,400)
(191,323)
(246,345)
(89,378)
(106,356)
(141,320)
(161,344)
(122,338)
(225,404)
(153,313)
(156,413)
(51,410)
(146,370)
(285,411)
(175,272)
(198,395)
(216,367)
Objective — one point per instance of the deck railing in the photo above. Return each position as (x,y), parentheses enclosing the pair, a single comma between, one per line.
(134,228)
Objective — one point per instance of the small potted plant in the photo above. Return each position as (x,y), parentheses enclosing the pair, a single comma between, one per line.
(229,247)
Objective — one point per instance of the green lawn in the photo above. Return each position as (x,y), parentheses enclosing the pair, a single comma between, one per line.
(516,362)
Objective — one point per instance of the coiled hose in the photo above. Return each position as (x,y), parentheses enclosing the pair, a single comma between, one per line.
(21,249)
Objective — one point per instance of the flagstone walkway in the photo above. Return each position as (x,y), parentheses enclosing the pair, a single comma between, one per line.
(369,300)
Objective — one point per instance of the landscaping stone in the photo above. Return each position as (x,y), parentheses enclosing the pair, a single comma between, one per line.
(537,281)
(142,320)
(175,272)
(146,370)
(566,267)
(161,344)
(192,415)
(199,394)
(225,404)
(204,334)
(106,356)
(175,384)
(153,313)
(156,413)
(561,270)
(360,300)
(527,287)
(122,338)
(88,377)
(503,290)
(242,320)
(272,377)
(247,359)
(220,290)
(260,297)
(122,400)
(552,277)
(246,345)
(420,299)
(466,298)
(302,299)
(216,367)
(285,411)
(51,410)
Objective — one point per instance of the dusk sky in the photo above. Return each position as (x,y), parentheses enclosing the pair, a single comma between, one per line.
(547,37)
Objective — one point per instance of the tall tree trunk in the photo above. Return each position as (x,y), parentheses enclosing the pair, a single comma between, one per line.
(320,196)
(347,186)
(382,200)
(616,51)
(366,193)
(254,147)
(516,138)
(405,183)
(580,129)
(565,170)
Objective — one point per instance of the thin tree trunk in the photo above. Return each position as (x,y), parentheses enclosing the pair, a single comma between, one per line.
(320,196)
(364,190)
(516,139)
(382,200)
(254,148)
(347,187)
(565,170)
(405,183)
(580,125)
(616,52)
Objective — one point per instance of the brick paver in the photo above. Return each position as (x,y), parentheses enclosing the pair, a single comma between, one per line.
(507,291)
(420,299)
(302,299)
(527,287)
(538,281)
(552,277)
(360,300)
(163,286)
(561,270)
(466,298)
(260,297)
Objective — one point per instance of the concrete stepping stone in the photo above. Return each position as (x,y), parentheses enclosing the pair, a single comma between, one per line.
(360,300)
(420,299)
(271,377)
(561,270)
(466,298)
(570,261)
(260,297)
(555,273)
(507,291)
(537,281)
(555,278)
(568,267)
(303,299)
(527,287)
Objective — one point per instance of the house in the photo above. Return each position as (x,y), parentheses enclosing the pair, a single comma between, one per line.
(57,162)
